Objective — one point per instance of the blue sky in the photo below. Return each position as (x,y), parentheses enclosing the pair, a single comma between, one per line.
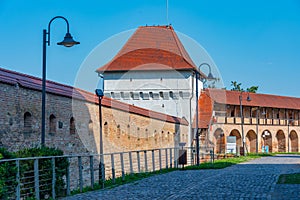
(253,42)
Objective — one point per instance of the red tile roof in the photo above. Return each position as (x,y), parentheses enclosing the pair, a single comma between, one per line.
(209,96)
(261,100)
(151,48)
(31,82)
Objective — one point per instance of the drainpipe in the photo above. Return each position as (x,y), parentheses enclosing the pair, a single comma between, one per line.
(197,119)
(192,96)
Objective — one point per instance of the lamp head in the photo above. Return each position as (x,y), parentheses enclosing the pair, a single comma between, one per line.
(68,41)
(210,76)
(248,97)
(99,92)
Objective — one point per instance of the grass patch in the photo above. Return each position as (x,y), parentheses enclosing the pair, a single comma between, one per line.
(261,154)
(223,163)
(293,153)
(289,179)
(129,178)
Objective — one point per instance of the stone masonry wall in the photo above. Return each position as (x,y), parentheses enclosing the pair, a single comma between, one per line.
(122,131)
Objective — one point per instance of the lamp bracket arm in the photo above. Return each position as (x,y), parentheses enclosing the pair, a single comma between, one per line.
(48,32)
(209,68)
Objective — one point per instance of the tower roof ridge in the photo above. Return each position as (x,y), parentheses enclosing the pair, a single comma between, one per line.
(135,53)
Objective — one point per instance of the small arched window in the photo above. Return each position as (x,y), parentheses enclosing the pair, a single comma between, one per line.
(105,128)
(52,124)
(91,128)
(147,134)
(10,119)
(27,122)
(72,126)
(118,131)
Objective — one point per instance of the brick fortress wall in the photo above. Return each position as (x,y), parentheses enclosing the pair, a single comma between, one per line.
(125,127)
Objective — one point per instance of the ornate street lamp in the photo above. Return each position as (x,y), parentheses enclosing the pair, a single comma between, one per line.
(100,94)
(67,42)
(209,77)
(242,118)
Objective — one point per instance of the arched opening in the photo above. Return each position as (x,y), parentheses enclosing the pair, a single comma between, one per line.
(72,126)
(281,142)
(10,119)
(147,134)
(138,134)
(155,136)
(267,141)
(91,128)
(237,134)
(105,129)
(294,141)
(251,141)
(128,131)
(27,122)
(118,131)
(52,124)
(219,141)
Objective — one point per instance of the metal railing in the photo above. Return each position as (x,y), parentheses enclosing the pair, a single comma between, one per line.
(43,177)
(205,154)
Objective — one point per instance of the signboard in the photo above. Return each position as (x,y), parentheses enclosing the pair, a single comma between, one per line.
(231,144)
(265,149)
(182,144)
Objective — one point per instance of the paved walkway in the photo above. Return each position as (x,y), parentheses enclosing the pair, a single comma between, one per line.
(251,180)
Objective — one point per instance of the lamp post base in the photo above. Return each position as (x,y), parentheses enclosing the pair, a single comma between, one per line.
(101,174)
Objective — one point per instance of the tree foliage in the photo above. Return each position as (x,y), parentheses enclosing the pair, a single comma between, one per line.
(238,87)
(252,89)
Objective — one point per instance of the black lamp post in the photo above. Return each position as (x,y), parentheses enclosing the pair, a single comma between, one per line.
(67,42)
(197,118)
(100,94)
(209,77)
(242,118)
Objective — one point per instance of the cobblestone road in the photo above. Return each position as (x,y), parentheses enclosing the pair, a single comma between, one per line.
(251,180)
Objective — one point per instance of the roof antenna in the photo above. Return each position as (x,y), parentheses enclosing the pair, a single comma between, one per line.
(167,7)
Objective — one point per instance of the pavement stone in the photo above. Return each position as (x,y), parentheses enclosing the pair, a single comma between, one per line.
(251,180)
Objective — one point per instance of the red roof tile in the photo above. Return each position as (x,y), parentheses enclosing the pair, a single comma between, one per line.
(31,82)
(208,96)
(262,100)
(149,48)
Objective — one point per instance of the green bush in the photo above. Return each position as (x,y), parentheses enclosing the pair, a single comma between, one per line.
(7,172)
(27,171)
(45,169)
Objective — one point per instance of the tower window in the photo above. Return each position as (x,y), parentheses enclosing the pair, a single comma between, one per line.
(91,129)
(72,126)
(52,124)
(161,94)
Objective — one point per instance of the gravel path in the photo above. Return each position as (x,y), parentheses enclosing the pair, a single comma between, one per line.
(255,179)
